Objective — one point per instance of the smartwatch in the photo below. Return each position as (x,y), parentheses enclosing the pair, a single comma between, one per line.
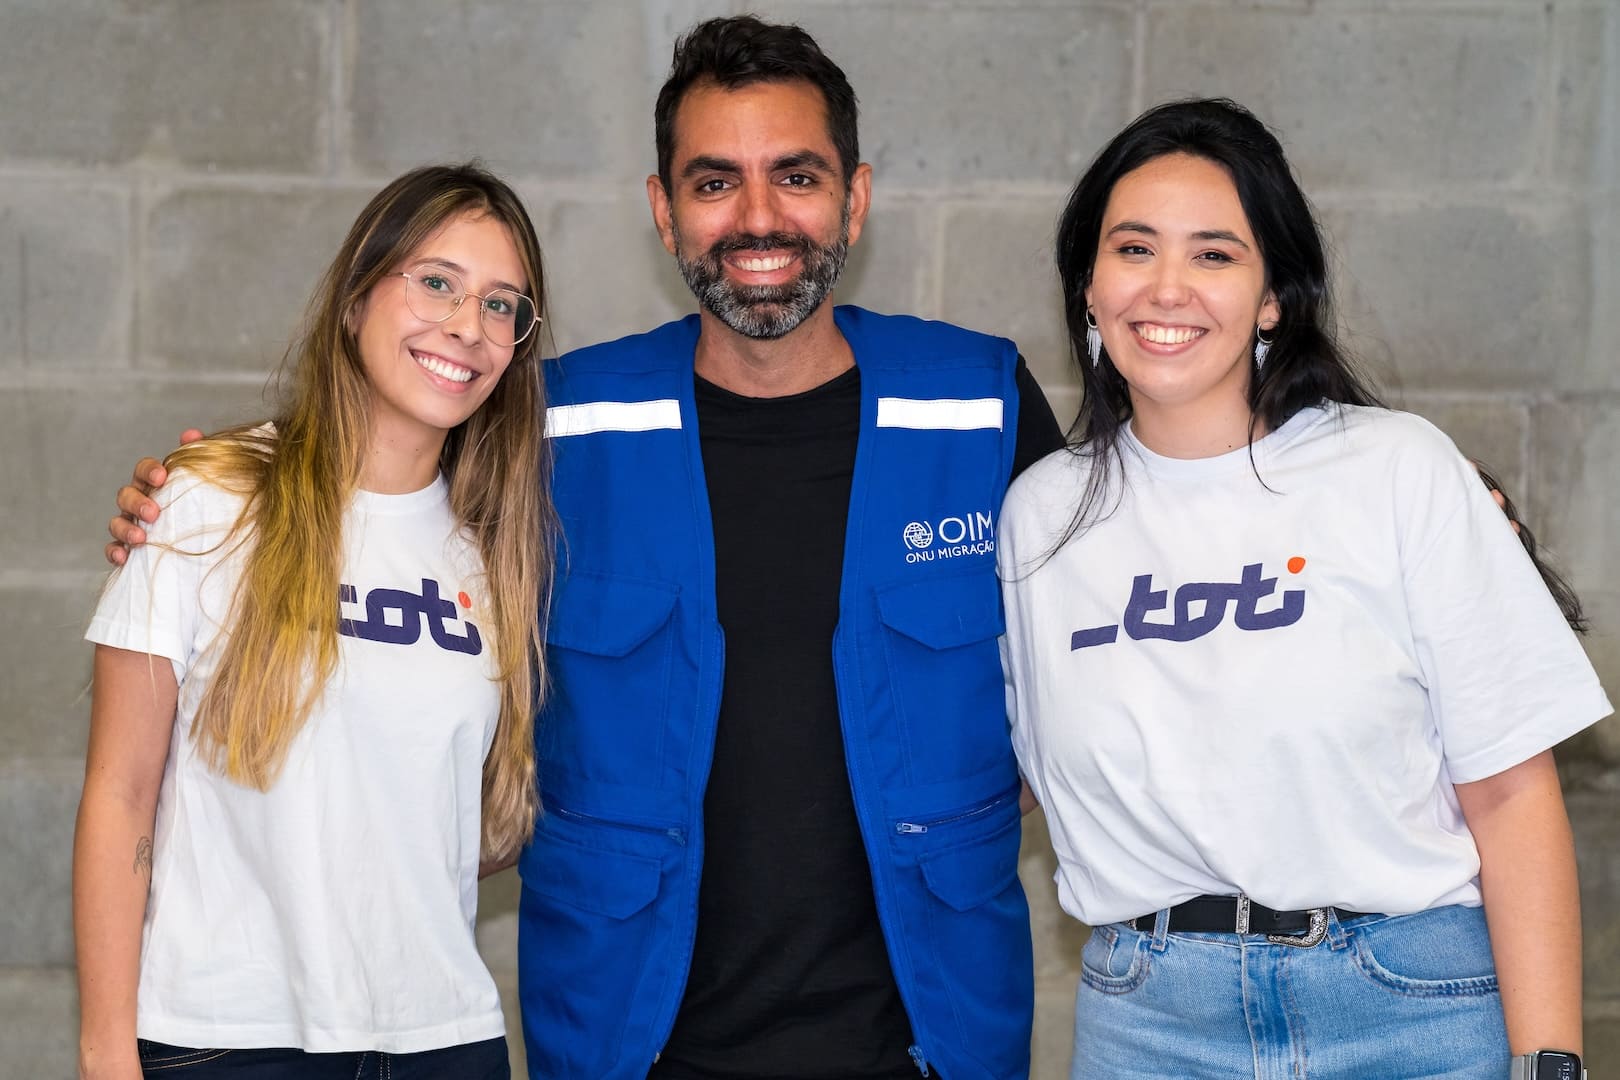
(1548,1065)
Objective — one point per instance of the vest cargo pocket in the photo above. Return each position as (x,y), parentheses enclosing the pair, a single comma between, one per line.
(944,668)
(609,646)
(978,926)
(587,920)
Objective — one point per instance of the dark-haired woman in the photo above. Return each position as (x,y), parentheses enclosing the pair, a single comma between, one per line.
(1281,674)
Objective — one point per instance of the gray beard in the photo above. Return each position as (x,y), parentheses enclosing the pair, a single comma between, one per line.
(765,312)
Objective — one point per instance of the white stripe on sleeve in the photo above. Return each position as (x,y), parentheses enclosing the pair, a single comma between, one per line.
(950,414)
(590,417)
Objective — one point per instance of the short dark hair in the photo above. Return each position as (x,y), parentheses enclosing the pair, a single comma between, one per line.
(740,50)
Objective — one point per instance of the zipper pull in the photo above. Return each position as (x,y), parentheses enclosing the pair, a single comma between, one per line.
(906,828)
(917,1058)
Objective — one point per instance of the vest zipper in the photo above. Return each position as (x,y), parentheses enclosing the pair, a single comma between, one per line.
(918,1059)
(675,834)
(906,828)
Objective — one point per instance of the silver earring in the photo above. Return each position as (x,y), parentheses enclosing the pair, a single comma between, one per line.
(1093,339)
(1262,345)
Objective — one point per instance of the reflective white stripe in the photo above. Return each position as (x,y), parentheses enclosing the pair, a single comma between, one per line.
(951,414)
(589,417)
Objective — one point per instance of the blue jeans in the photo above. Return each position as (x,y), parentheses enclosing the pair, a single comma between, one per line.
(1393,997)
(473,1061)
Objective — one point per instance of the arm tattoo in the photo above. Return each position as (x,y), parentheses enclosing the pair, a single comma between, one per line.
(143,856)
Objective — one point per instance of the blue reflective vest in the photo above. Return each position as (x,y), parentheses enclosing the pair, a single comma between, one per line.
(636,656)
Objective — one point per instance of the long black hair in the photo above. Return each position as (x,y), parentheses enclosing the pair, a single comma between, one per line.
(1305,365)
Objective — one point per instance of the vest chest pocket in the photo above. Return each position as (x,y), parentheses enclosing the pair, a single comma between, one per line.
(944,666)
(610,647)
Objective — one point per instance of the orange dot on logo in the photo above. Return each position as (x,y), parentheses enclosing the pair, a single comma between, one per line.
(466,601)
(1295,565)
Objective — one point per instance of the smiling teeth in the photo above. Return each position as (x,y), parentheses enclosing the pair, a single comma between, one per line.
(775,262)
(1167,335)
(444,369)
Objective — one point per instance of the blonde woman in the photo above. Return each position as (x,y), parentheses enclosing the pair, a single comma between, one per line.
(314,689)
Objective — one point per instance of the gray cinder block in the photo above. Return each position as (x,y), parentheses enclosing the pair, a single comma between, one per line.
(892,268)
(229,272)
(39,1024)
(1473,297)
(551,88)
(1575,456)
(1367,99)
(999,278)
(67,450)
(47,706)
(65,276)
(607,273)
(1597,849)
(38,800)
(226,86)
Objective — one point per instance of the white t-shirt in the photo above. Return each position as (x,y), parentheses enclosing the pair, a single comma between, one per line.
(1222,688)
(335,911)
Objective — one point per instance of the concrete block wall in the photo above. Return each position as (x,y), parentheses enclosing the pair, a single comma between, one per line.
(174,173)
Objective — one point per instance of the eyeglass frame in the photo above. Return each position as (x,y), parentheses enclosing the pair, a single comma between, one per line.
(483,301)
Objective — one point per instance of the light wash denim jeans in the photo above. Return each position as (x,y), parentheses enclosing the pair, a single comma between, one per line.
(1380,998)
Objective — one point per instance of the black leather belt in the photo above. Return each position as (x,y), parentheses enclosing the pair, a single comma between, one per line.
(1240,915)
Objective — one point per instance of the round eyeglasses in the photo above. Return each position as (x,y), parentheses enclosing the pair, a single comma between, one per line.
(435,293)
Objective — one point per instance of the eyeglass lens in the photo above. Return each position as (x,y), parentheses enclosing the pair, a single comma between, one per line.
(433,293)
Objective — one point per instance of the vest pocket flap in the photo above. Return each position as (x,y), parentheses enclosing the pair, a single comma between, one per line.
(611,883)
(975,872)
(607,616)
(943,613)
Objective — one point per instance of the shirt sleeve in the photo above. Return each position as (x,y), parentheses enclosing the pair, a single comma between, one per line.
(1507,678)
(152,604)
(1038,430)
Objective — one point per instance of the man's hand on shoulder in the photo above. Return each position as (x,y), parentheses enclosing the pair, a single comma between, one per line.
(1507,508)
(135,506)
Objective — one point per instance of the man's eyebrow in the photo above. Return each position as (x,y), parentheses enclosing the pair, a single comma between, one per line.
(707,163)
(802,159)
(461,270)
(798,159)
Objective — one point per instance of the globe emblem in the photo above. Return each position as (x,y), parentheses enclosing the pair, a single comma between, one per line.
(919,535)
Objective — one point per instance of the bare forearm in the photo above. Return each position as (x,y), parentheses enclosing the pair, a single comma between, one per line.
(1532,903)
(496,865)
(112,873)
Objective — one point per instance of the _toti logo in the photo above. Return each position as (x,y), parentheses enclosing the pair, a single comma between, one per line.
(919,535)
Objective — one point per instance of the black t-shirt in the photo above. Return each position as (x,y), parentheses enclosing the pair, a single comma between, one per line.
(790,978)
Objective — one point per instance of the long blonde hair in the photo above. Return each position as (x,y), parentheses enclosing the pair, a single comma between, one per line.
(298,481)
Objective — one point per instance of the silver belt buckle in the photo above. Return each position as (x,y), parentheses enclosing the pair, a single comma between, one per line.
(1313,936)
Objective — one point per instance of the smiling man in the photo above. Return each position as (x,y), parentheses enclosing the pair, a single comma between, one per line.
(782,821)
(781,827)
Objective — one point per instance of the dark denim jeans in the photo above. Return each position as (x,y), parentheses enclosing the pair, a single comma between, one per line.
(473,1061)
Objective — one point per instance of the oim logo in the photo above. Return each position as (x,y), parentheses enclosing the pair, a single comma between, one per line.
(919,535)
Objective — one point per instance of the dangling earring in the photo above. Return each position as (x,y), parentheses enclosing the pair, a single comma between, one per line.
(1262,345)
(1093,339)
